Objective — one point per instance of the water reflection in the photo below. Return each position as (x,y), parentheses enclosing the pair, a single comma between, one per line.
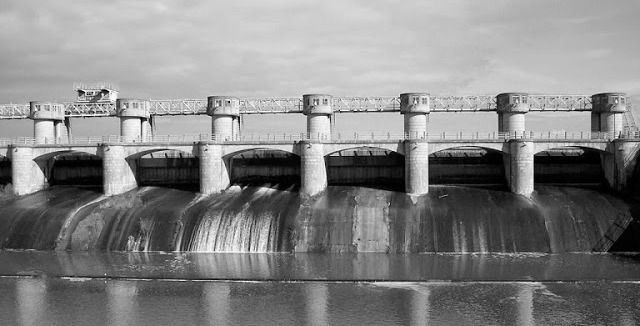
(216,303)
(316,304)
(420,306)
(99,302)
(363,267)
(31,298)
(121,302)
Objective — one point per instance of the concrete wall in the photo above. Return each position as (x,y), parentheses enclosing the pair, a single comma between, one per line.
(5,171)
(284,171)
(169,172)
(78,171)
(384,172)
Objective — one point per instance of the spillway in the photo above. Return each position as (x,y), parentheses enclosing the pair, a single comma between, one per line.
(342,219)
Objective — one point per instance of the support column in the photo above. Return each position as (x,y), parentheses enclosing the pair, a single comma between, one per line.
(416,167)
(521,172)
(236,128)
(67,126)
(223,111)
(26,175)
(607,113)
(214,177)
(317,108)
(146,130)
(46,116)
(415,108)
(132,113)
(313,169)
(619,162)
(511,110)
(119,175)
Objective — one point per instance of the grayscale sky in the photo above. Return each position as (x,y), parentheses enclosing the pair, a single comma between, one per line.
(191,49)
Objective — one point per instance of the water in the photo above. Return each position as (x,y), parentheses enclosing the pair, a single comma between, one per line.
(351,256)
(96,302)
(343,219)
(317,289)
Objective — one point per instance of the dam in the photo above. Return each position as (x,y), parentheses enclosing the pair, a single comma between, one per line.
(320,190)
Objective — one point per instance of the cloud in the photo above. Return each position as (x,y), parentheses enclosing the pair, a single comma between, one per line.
(170,49)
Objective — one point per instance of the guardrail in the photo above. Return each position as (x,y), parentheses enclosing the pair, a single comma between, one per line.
(336,137)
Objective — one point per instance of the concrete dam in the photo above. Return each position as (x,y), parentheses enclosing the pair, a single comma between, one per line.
(511,190)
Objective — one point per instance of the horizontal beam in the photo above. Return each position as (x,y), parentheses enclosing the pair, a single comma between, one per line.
(471,103)
(335,138)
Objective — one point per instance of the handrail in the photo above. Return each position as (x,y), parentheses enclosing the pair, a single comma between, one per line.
(336,137)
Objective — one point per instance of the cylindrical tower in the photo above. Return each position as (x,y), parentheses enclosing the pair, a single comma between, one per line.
(607,113)
(415,108)
(521,170)
(511,110)
(317,108)
(118,177)
(132,113)
(223,111)
(416,167)
(26,175)
(47,117)
(214,177)
(313,169)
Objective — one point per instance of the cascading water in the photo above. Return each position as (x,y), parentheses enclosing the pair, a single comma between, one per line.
(342,219)
(249,220)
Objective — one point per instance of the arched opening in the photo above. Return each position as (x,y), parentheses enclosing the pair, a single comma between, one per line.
(264,167)
(571,166)
(166,168)
(5,170)
(366,167)
(468,166)
(71,168)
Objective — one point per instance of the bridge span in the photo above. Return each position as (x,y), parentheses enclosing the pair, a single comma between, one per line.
(612,134)
(31,167)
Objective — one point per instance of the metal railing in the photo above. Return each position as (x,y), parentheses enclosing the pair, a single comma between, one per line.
(467,103)
(336,138)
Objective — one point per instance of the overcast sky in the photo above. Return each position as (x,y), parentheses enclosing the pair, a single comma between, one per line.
(192,49)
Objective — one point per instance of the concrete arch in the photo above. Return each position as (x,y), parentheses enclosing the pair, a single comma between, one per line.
(50,155)
(231,150)
(397,148)
(495,147)
(140,154)
(541,147)
(135,152)
(230,155)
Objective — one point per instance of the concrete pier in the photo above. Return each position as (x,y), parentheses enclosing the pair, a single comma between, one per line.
(607,113)
(214,176)
(224,111)
(313,169)
(132,113)
(26,175)
(511,109)
(47,118)
(119,176)
(416,163)
(415,109)
(521,172)
(317,108)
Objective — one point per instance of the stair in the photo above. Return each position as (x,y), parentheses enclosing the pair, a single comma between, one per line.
(613,233)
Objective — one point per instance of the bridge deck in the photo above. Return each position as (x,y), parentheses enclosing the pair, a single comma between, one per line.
(472,103)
